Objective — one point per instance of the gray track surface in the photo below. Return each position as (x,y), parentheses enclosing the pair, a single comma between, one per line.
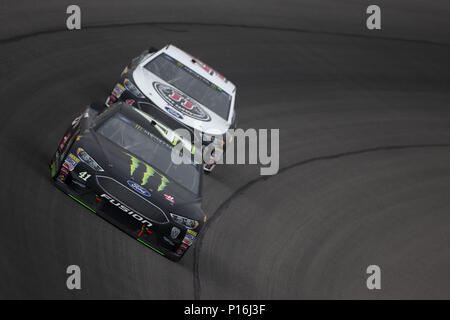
(364,120)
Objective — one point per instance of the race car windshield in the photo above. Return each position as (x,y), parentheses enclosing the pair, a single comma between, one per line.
(151,148)
(191,83)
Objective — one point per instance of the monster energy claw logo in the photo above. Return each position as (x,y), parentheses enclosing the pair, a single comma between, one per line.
(149,172)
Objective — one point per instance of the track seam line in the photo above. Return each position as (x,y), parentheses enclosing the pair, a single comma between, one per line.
(229,25)
(240,190)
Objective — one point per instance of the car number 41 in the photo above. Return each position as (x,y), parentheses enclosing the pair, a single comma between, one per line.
(84,175)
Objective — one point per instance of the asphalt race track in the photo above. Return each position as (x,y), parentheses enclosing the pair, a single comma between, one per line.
(364,119)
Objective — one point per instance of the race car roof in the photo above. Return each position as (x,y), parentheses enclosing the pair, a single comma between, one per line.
(201,68)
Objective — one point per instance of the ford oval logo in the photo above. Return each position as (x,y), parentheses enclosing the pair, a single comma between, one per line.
(139,188)
(174,113)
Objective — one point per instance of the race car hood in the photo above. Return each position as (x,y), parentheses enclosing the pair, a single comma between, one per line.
(195,116)
(138,175)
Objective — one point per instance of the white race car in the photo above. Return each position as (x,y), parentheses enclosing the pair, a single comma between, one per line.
(171,82)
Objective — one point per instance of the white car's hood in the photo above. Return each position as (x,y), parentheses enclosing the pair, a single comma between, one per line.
(179,105)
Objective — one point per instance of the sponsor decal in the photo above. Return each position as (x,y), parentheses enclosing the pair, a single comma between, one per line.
(63,172)
(64,140)
(72,161)
(187,241)
(190,237)
(130,101)
(118,90)
(192,232)
(69,164)
(181,102)
(138,188)
(111,99)
(175,232)
(169,198)
(173,113)
(127,210)
(65,168)
(149,172)
(182,249)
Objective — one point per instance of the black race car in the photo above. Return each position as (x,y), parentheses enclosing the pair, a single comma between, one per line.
(117,163)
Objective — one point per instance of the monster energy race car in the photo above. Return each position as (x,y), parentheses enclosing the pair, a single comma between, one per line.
(184,88)
(117,163)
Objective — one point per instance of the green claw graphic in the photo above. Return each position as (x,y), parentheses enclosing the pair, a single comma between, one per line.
(149,172)
(134,164)
(164,182)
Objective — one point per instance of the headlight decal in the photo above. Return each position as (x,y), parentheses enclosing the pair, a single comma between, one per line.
(132,88)
(86,158)
(188,223)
